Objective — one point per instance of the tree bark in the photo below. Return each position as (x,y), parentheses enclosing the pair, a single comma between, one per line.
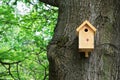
(65,62)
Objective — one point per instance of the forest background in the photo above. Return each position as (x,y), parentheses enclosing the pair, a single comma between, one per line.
(26,27)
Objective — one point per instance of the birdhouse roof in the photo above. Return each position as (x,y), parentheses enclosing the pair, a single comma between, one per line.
(84,23)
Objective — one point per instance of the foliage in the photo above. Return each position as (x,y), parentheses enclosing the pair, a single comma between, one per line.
(23,41)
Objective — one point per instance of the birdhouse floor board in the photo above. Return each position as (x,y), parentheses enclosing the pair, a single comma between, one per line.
(85,50)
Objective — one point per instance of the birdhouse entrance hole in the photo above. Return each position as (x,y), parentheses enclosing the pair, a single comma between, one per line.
(86,30)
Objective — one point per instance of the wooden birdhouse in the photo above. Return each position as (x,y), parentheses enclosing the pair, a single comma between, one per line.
(86,33)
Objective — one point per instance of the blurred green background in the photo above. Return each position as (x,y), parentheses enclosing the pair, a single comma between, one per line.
(26,27)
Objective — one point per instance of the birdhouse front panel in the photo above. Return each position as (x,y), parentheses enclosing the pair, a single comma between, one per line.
(86,38)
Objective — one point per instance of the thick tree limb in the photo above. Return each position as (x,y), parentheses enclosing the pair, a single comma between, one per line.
(51,2)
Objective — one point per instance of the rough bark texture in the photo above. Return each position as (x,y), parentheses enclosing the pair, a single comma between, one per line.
(66,63)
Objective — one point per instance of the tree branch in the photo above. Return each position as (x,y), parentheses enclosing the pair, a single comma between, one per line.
(7,63)
(18,71)
(45,74)
(51,2)
(9,71)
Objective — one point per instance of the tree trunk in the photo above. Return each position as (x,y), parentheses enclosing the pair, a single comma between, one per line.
(66,62)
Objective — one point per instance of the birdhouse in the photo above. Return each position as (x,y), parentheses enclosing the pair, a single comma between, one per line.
(86,32)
